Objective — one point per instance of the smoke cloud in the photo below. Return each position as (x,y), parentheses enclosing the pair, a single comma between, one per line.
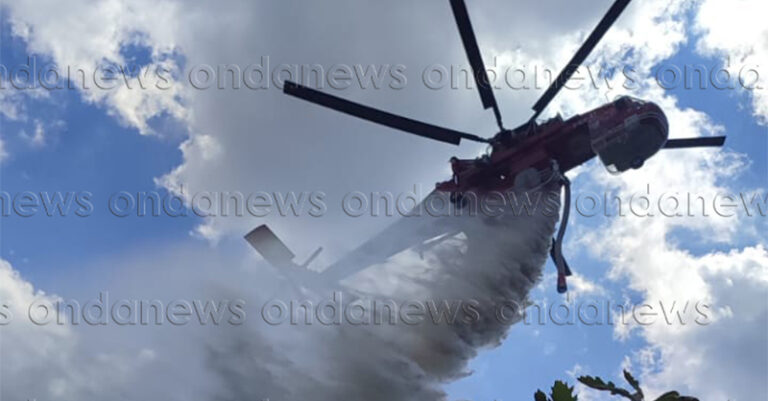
(459,280)
(491,262)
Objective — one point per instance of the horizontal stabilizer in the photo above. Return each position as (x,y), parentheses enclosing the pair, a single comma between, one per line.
(270,247)
(701,142)
(273,250)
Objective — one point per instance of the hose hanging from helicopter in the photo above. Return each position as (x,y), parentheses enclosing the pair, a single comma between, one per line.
(556,251)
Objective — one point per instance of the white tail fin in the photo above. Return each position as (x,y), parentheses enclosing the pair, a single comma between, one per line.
(273,250)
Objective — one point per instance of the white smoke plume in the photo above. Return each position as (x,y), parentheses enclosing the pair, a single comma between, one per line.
(467,276)
(493,260)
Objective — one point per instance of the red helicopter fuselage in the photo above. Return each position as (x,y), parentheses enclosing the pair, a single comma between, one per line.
(624,133)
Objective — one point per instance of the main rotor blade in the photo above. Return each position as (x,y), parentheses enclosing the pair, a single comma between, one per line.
(710,141)
(484,86)
(613,13)
(378,116)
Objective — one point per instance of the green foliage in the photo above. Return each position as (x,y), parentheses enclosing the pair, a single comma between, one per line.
(634,383)
(675,396)
(670,396)
(561,391)
(598,384)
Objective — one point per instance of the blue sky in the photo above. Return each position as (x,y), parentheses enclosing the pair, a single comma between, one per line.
(89,148)
(90,153)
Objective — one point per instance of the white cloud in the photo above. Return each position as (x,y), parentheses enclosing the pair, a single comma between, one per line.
(83,36)
(579,286)
(37,138)
(3,152)
(12,101)
(725,357)
(9,104)
(735,30)
(42,359)
(43,133)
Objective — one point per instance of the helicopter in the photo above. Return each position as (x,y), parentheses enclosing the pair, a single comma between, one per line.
(623,134)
